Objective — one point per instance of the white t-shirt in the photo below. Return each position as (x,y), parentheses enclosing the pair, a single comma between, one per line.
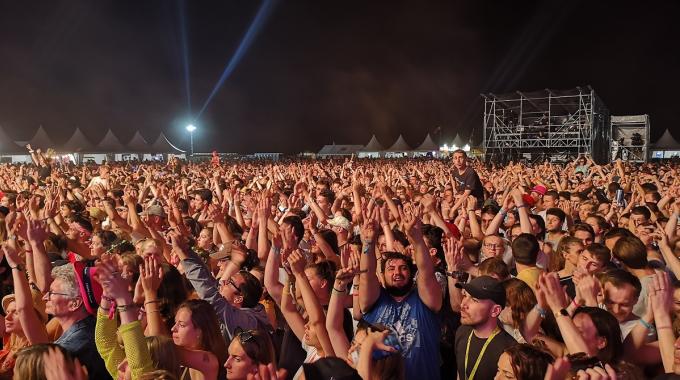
(312,356)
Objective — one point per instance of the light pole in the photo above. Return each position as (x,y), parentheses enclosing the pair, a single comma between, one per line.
(191,130)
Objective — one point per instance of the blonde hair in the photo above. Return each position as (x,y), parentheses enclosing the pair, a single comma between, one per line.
(29,364)
(163,356)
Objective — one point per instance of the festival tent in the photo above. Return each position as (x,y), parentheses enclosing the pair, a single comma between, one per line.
(163,145)
(458,141)
(77,143)
(372,149)
(41,140)
(8,147)
(110,144)
(666,146)
(399,149)
(427,145)
(137,144)
(334,150)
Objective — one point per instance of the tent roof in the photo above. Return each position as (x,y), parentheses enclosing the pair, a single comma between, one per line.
(41,140)
(458,141)
(110,143)
(373,145)
(8,146)
(340,149)
(78,143)
(399,146)
(427,145)
(667,142)
(138,144)
(163,145)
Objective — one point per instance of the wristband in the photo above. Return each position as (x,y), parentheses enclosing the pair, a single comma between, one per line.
(521,206)
(150,302)
(647,325)
(573,302)
(541,311)
(124,308)
(340,291)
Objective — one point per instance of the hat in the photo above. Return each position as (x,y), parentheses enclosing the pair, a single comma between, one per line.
(156,210)
(485,288)
(330,368)
(38,303)
(539,189)
(97,213)
(90,289)
(340,221)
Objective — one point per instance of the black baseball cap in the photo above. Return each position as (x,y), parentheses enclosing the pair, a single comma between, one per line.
(485,288)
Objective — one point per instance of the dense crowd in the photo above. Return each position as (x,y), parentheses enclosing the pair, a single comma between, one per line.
(339,269)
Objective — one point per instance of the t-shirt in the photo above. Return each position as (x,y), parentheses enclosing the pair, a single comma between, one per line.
(469,180)
(417,328)
(488,363)
(530,276)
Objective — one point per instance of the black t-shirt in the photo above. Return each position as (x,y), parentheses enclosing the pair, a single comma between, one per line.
(469,180)
(489,362)
(569,283)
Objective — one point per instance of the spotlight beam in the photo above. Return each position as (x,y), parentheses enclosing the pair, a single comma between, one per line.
(253,29)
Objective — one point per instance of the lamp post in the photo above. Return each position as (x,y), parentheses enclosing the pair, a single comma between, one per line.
(191,128)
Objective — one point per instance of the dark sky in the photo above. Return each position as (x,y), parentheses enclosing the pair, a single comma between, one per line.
(321,71)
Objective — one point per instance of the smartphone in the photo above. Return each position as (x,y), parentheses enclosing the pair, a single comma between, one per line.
(620,200)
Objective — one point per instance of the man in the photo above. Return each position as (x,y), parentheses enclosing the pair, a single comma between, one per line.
(235,297)
(479,341)
(200,202)
(73,309)
(621,292)
(466,179)
(525,252)
(410,311)
(632,254)
(554,221)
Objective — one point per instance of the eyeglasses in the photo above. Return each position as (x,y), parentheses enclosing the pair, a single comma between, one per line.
(493,246)
(230,282)
(51,293)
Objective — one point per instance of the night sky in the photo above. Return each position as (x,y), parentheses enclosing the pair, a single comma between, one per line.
(321,71)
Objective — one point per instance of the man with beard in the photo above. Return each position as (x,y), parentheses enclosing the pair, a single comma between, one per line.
(409,311)
(480,341)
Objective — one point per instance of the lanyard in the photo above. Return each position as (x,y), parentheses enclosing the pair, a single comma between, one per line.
(481,353)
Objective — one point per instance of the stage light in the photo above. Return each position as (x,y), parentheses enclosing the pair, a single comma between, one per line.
(191,128)
(466,147)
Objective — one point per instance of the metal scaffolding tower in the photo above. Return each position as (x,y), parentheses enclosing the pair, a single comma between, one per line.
(545,124)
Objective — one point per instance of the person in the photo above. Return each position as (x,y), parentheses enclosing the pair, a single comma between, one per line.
(411,311)
(247,350)
(525,250)
(467,180)
(480,341)
(523,361)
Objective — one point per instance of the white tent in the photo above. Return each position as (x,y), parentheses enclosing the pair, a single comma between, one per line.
(41,140)
(9,148)
(110,144)
(399,146)
(372,149)
(427,145)
(458,141)
(666,146)
(163,145)
(334,150)
(77,143)
(138,144)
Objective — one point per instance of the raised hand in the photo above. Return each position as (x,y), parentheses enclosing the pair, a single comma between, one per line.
(109,276)
(151,274)
(297,262)
(556,297)
(37,231)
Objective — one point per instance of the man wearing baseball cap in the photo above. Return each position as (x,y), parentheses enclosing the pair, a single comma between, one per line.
(480,341)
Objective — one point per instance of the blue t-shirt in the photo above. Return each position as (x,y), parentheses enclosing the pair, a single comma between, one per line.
(418,329)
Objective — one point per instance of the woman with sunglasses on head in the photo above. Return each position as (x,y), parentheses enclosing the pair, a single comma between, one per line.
(248,350)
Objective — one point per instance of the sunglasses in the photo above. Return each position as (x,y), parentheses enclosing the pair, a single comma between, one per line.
(244,335)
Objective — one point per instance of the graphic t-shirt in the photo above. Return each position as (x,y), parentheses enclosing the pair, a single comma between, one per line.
(417,328)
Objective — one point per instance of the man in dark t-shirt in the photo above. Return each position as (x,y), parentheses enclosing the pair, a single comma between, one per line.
(480,341)
(466,179)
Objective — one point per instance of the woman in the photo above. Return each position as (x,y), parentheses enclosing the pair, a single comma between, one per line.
(247,350)
(15,339)
(523,362)
(101,242)
(196,328)
(520,301)
(33,361)
(564,261)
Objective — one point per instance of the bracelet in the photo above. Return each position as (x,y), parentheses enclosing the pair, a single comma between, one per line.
(521,206)
(340,291)
(647,325)
(124,308)
(573,302)
(541,311)
(18,267)
(150,302)
(663,327)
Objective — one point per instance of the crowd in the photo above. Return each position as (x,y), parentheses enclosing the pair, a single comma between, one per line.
(340,269)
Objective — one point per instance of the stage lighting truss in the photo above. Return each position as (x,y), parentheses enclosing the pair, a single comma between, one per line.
(545,124)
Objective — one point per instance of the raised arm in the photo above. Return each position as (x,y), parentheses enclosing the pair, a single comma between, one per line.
(42,266)
(336,306)
(315,313)
(369,287)
(151,275)
(428,288)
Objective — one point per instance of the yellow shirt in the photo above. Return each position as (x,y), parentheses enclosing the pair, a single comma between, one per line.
(530,276)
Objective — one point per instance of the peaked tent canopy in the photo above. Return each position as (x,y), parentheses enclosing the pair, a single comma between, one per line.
(373,145)
(78,143)
(667,142)
(8,146)
(41,140)
(458,141)
(399,146)
(427,145)
(138,144)
(339,150)
(110,144)
(163,145)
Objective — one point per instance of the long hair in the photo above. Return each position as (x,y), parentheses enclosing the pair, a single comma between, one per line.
(528,362)
(164,355)
(608,328)
(204,318)
(557,260)
(29,361)
(520,298)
